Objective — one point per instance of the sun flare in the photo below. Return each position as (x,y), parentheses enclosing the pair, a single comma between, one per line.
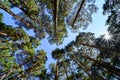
(107,36)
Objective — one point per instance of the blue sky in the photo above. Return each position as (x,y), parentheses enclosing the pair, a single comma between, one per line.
(98,27)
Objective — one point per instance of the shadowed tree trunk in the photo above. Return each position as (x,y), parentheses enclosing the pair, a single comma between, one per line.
(78,11)
(6,74)
(104,65)
(99,47)
(14,15)
(83,68)
(57,72)
(66,70)
(16,4)
(55,15)
(86,69)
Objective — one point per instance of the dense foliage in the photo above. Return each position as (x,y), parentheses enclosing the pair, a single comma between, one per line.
(86,58)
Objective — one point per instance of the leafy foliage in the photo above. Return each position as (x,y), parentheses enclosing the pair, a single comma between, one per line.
(17,53)
(46,17)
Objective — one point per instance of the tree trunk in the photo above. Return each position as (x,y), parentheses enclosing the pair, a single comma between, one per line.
(6,74)
(21,8)
(104,65)
(99,47)
(57,72)
(83,67)
(55,15)
(66,70)
(78,11)
(95,76)
(14,15)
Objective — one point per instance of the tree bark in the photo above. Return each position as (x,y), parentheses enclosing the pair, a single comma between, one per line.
(83,68)
(14,15)
(99,47)
(6,74)
(78,11)
(95,76)
(57,72)
(21,8)
(3,33)
(104,65)
(55,15)
(66,70)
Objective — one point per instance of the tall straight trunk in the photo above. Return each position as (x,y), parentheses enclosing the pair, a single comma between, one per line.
(78,11)
(55,15)
(104,65)
(66,70)
(83,68)
(6,74)
(102,48)
(21,8)
(30,70)
(14,15)
(57,72)
(88,69)
(18,67)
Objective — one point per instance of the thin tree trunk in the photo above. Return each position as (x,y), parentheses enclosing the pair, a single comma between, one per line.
(95,74)
(55,15)
(7,74)
(14,15)
(104,65)
(29,69)
(16,4)
(57,72)
(99,47)
(66,70)
(78,11)
(83,68)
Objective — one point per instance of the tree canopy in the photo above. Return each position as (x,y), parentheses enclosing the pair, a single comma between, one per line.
(85,58)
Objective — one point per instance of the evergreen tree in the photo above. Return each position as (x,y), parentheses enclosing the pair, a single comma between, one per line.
(17,53)
(86,58)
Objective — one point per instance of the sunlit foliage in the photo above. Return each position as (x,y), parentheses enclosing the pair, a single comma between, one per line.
(85,58)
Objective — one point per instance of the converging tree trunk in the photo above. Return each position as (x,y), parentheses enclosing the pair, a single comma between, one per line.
(14,15)
(99,47)
(78,11)
(55,15)
(57,72)
(104,65)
